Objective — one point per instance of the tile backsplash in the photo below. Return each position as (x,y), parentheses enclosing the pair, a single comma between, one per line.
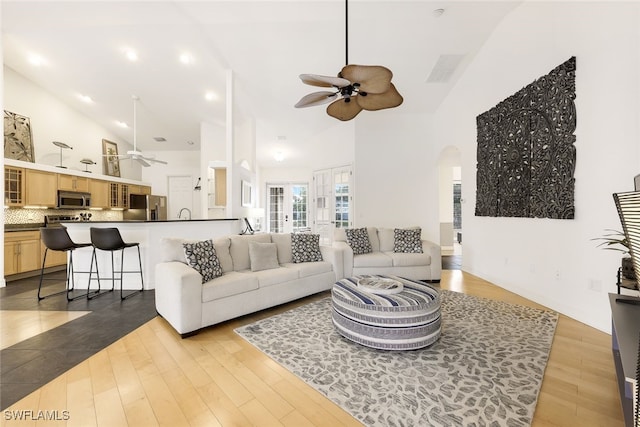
(36,216)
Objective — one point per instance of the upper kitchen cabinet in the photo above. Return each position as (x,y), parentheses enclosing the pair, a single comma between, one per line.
(139,189)
(73,183)
(13,186)
(118,195)
(41,188)
(99,190)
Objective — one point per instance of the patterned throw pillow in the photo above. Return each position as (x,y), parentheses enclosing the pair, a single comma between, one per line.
(305,247)
(407,241)
(358,239)
(201,256)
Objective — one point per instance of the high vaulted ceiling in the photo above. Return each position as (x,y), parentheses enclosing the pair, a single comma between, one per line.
(265,45)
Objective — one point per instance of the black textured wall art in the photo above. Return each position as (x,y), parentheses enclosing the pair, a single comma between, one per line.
(526,154)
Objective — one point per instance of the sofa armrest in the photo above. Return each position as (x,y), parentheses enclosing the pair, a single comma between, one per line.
(179,296)
(435,253)
(347,257)
(334,256)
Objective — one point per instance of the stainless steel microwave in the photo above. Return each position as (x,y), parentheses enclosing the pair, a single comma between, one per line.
(73,200)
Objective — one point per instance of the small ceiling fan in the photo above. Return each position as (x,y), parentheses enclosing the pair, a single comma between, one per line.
(135,154)
(357,87)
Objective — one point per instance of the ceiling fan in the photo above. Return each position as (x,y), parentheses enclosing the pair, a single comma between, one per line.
(356,88)
(135,154)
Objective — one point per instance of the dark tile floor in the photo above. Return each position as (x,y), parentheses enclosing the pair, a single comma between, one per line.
(28,365)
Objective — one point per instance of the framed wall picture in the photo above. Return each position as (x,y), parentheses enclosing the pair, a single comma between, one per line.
(111,165)
(18,143)
(246,195)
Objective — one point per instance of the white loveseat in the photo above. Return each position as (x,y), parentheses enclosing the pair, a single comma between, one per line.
(383,260)
(189,305)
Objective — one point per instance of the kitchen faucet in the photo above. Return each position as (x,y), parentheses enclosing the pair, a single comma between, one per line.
(184,209)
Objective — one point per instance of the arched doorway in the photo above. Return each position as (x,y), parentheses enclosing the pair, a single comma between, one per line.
(450,207)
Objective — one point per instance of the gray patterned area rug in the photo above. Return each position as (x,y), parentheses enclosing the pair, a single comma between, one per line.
(485,370)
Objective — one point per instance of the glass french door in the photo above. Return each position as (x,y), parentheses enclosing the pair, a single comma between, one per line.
(333,201)
(288,208)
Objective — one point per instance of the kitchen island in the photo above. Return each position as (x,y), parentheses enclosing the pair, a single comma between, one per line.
(149,234)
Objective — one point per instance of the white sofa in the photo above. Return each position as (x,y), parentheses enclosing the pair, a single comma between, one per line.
(189,305)
(383,260)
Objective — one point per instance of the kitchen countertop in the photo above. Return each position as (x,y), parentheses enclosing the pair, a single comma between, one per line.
(23,227)
(134,221)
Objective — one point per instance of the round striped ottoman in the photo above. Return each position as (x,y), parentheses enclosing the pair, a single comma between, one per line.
(386,312)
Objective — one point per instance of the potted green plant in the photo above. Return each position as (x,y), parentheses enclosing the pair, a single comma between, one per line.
(615,240)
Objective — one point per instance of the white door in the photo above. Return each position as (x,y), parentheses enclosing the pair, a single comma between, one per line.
(333,201)
(180,196)
(287,208)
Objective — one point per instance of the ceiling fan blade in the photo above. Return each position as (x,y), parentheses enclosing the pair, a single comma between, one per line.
(316,98)
(343,110)
(324,81)
(142,161)
(374,101)
(372,78)
(152,160)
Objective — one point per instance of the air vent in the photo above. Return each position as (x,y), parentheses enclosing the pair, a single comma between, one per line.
(159,139)
(444,68)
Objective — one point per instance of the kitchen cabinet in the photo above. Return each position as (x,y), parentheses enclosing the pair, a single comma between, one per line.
(13,186)
(73,183)
(139,189)
(118,195)
(41,188)
(99,190)
(21,252)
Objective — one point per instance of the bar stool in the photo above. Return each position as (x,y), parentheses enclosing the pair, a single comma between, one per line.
(57,239)
(110,240)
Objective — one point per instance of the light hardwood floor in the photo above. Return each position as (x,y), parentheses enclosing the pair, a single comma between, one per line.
(152,377)
(31,323)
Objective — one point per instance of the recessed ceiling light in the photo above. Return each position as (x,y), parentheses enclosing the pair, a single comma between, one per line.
(122,124)
(210,96)
(186,58)
(190,142)
(279,156)
(36,60)
(85,98)
(438,12)
(159,139)
(131,54)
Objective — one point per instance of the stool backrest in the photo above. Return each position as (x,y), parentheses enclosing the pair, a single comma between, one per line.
(56,238)
(106,239)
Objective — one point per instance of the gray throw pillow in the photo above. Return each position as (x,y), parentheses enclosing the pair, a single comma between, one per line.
(358,239)
(305,247)
(263,256)
(407,241)
(201,256)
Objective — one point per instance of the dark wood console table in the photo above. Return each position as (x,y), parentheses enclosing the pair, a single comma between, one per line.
(625,331)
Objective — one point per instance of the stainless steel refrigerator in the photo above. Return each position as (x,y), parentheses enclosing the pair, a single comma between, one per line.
(146,208)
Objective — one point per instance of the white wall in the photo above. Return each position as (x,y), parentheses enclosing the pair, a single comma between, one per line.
(52,120)
(396,172)
(554,262)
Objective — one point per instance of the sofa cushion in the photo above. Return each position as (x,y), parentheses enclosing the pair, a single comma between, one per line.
(239,249)
(283,242)
(409,259)
(228,284)
(222,251)
(274,276)
(407,240)
(386,239)
(263,256)
(306,269)
(171,249)
(373,259)
(305,247)
(201,256)
(358,239)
